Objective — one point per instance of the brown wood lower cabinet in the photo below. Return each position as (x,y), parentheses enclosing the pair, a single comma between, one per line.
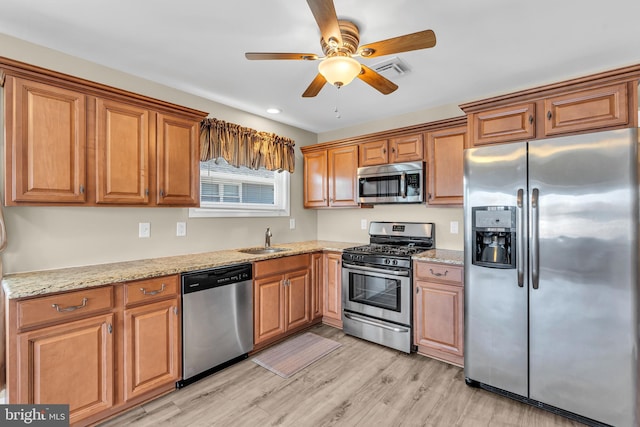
(439,311)
(332,311)
(151,347)
(70,363)
(282,298)
(101,350)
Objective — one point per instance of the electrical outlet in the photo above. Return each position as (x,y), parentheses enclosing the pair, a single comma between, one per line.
(181,229)
(292,223)
(144,229)
(453,227)
(363,224)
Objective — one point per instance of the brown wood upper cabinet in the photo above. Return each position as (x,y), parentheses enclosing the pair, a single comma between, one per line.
(394,150)
(46,143)
(445,151)
(72,141)
(555,110)
(122,152)
(330,177)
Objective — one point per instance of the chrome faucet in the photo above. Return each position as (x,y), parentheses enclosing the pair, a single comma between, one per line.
(267,238)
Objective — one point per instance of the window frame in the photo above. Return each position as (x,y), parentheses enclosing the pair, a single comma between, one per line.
(281,206)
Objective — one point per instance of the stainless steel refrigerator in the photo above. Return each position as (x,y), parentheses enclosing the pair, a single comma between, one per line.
(551,274)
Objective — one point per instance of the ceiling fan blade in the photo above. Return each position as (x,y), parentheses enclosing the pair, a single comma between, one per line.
(275,55)
(325,13)
(377,81)
(315,86)
(420,40)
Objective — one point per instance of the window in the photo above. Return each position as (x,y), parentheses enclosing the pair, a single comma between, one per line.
(229,191)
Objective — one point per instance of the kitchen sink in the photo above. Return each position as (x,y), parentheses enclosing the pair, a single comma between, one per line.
(262,250)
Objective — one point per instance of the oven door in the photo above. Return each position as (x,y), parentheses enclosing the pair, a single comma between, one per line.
(378,292)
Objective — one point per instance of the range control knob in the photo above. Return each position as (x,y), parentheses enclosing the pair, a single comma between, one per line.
(395,262)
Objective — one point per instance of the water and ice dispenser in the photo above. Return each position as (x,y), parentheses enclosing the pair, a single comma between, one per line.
(494,233)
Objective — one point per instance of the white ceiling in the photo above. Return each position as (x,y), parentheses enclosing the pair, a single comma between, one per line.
(484,48)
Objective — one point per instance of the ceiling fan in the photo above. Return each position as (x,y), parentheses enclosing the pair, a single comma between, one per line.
(340,43)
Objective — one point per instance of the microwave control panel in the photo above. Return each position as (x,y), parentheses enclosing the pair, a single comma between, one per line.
(413,184)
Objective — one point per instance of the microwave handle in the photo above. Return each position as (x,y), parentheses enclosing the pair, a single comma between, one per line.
(403,185)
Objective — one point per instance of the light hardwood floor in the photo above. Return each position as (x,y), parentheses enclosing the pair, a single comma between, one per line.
(359,384)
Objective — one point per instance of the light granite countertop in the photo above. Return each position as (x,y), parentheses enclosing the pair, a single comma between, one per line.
(36,283)
(445,256)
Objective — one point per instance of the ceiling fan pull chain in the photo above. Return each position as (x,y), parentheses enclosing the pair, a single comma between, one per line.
(336,110)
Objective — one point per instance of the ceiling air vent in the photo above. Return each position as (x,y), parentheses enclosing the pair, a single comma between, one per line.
(391,68)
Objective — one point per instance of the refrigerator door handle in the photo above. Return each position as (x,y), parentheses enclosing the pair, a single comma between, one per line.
(520,239)
(535,250)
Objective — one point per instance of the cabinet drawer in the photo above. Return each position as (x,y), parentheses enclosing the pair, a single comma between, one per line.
(439,272)
(150,289)
(63,307)
(280,265)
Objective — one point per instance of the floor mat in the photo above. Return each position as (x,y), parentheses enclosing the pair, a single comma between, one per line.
(297,353)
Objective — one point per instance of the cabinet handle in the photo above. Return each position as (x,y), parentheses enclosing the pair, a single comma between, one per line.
(70,308)
(151,293)
(417,290)
(393,150)
(384,151)
(109,328)
(82,189)
(175,310)
(549,115)
(161,193)
(438,274)
(146,191)
(531,118)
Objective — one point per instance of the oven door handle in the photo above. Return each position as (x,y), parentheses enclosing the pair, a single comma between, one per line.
(375,270)
(372,323)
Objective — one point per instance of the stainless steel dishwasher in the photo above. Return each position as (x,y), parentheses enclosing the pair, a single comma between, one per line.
(217,320)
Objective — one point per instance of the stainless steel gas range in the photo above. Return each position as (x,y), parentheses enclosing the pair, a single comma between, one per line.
(377,283)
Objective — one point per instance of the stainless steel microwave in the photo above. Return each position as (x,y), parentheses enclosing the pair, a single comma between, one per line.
(392,183)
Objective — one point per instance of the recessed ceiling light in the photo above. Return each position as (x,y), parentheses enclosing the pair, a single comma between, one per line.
(274,110)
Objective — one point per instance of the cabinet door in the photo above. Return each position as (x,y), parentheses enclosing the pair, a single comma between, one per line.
(45,143)
(298,299)
(315,180)
(343,167)
(588,109)
(70,363)
(122,153)
(317,277)
(332,313)
(439,320)
(445,150)
(151,344)
(269,308)
(374,153)
(512,123)
(408,148)
(178,154)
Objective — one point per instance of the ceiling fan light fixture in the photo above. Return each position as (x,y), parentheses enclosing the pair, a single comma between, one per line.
(339,70)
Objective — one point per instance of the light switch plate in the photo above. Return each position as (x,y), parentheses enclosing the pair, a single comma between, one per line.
(181,229)
(453,227)
(292,223)
(144,229)
(363,224)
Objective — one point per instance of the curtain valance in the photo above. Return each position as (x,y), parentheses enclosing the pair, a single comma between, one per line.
(241,146)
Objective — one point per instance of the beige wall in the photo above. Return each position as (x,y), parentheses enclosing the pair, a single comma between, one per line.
(54,237)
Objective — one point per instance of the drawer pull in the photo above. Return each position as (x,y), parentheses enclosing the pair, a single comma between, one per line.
(70,308)
(151,293)
(438,274)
